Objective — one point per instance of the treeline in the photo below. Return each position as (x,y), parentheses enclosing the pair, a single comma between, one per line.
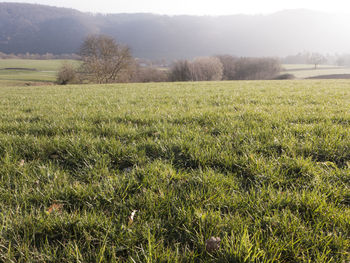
(38,56)
(216,68)
(317,59)
(104,60)
(225,67)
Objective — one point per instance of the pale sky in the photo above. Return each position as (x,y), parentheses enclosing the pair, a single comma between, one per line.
(197,7)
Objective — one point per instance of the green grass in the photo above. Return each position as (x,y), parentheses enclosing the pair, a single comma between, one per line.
(264,165)
(14,72)
(41,65)
(302,71)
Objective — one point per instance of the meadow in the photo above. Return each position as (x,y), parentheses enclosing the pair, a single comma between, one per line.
(19,72)
(149,172)
(303,71)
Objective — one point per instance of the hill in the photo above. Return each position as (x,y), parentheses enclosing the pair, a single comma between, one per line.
(40,29)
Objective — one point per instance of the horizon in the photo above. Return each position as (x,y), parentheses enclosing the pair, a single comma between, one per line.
(256,8)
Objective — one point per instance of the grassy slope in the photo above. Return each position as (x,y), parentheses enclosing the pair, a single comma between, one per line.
(46,71)
(263,165)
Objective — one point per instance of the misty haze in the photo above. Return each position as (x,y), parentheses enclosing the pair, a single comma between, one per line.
(42,29)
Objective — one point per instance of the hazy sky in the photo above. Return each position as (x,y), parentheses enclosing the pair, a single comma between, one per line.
(196,7)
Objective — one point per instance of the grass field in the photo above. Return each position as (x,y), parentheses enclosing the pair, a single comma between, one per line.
(302,71)
(264,165)
(17,72)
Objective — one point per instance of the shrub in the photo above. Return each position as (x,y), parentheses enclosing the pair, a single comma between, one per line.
(285,76)
(200,69)
(150,74)
(67,75)
(229,66)
(180,71)
(257,68)
(206,69)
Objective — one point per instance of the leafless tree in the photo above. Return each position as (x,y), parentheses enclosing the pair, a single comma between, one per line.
(206,68)
(229,66)
(257,68)
(180,71)
(150,74)
(316,59)
(105,60)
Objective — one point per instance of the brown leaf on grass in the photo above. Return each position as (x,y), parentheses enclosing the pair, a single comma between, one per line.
(131,217)
(212,244)
(54,156)
(21,163)
(54,208)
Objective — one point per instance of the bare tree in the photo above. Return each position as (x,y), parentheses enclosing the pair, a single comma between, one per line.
(229,66)
(104,60)
(316,59)
(180,71)
(150,74)
(257,68)
(206,68)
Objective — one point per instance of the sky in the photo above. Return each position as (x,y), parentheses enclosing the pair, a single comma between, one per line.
(196,7)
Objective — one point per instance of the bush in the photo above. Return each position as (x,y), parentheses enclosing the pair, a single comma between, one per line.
(229,66)
(257,68)
(180,71)
(67,75)
(285,76)
(199,69)
(225,67)
(150,74)
(206,69)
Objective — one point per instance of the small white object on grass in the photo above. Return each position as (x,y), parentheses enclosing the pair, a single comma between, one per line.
(131,217)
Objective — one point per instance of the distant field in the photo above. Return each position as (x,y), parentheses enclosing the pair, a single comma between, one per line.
(305,66)
(19,72)
(302,71)
(264,165)
(14,72)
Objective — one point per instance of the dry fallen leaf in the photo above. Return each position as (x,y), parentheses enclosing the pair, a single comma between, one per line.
(212,244)
(131,217)
(54,156)
(54,208)
(21,163)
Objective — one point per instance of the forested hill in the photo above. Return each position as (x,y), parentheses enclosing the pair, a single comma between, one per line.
(40,29)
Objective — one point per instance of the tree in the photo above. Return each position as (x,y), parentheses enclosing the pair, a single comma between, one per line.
(180,71)
(229,66)
(257,68)
(104,60)
(150,74)
(206,68)
(199,69)
(316,59)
